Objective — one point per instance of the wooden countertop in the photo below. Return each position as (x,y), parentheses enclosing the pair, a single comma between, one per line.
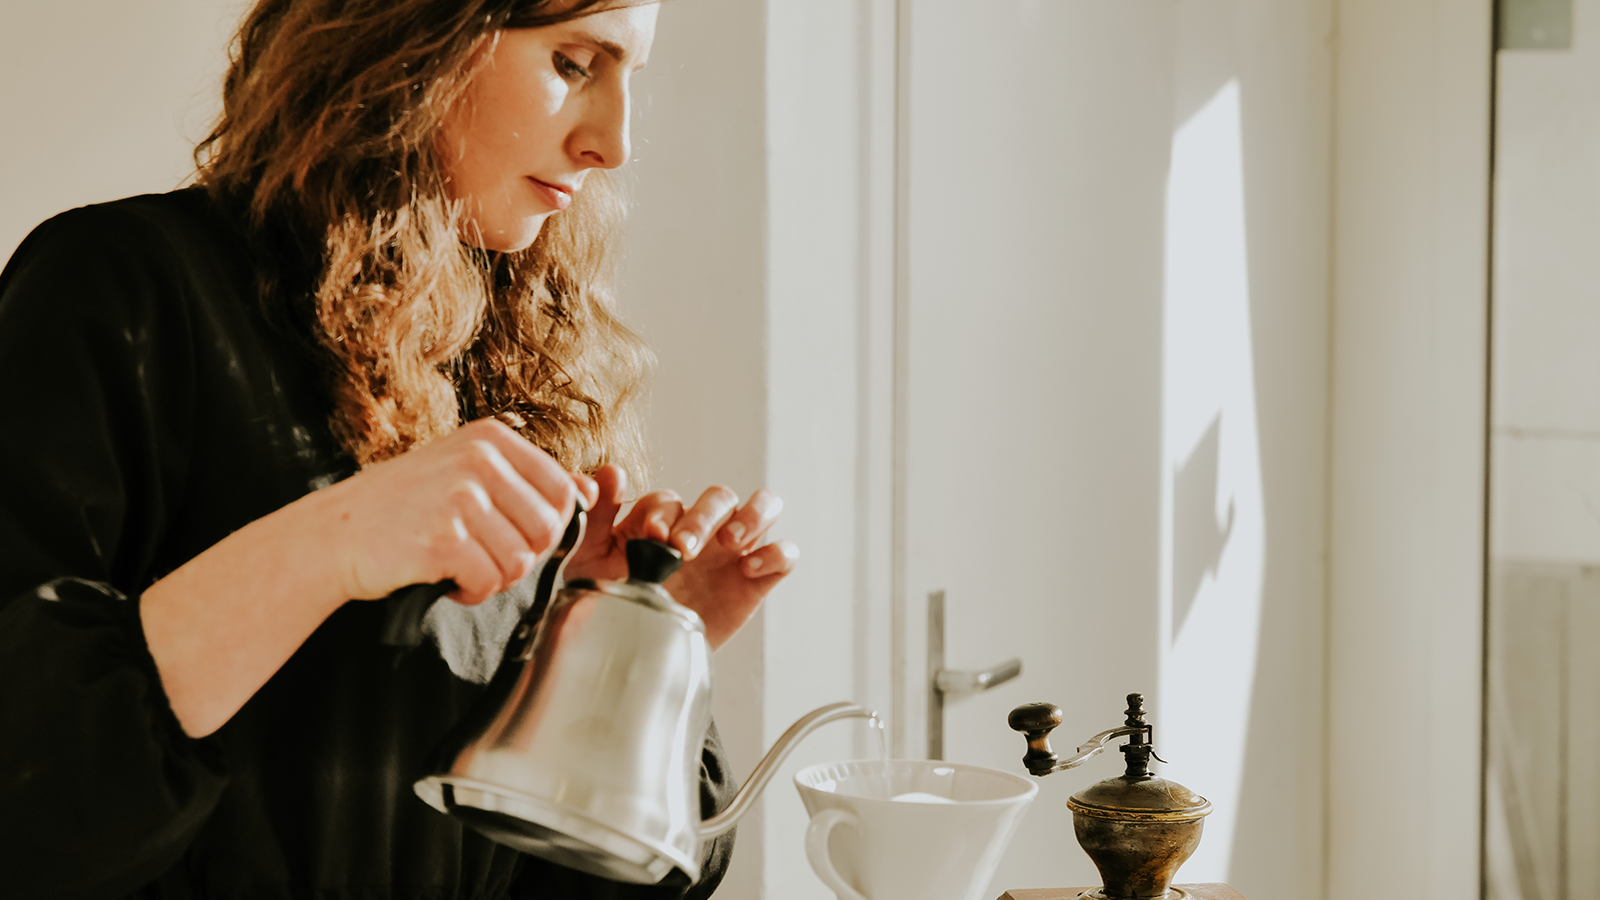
(1197,891)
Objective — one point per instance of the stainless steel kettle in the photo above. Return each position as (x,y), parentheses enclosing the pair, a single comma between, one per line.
(585,749)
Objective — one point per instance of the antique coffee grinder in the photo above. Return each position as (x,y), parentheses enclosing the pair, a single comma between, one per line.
(1138,828)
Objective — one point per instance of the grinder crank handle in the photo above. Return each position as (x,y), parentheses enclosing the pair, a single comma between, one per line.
(1037,720)
(405,609)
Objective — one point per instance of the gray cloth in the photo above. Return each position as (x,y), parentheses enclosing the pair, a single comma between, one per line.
(472,638)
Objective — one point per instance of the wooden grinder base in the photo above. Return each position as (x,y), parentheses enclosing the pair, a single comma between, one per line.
(1195,891)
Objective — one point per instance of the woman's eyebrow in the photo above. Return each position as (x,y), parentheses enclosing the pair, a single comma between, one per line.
(616,51)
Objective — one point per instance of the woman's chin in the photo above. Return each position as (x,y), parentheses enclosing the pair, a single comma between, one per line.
(512,237)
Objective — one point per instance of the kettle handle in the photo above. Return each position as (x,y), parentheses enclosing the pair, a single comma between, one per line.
(405,609)
(557,563)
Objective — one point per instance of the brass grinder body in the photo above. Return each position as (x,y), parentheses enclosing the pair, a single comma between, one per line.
(1137,849)
(1137,828)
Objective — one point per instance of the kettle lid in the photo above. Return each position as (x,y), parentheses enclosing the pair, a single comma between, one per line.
(651,562)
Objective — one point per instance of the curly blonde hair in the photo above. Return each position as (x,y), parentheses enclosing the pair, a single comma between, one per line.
(331,110)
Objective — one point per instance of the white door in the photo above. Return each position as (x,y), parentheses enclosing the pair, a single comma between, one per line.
(1083,462)
(1037,152)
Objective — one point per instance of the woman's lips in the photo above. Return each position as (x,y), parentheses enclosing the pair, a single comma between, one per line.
(555,195)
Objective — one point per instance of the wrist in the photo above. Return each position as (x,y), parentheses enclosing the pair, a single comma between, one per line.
(221,624)
(320,528)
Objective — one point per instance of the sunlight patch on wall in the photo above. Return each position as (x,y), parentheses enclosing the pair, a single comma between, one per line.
(1213,515)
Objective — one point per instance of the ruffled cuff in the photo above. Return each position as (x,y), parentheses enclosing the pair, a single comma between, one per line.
(100,789)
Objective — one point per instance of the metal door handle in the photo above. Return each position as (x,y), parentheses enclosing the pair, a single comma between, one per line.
(944,682)
(952,682)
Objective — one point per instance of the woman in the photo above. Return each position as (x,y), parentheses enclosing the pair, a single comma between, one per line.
(235,409)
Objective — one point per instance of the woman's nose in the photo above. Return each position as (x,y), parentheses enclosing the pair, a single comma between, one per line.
(601,139)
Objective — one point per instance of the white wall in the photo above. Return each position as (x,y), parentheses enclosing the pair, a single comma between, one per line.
(103,99)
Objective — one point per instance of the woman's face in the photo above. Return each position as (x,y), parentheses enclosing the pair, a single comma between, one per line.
(548,105)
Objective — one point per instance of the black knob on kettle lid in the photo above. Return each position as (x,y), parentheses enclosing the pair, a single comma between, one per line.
(651,562)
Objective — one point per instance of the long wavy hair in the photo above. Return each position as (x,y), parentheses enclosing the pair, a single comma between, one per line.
(331,111)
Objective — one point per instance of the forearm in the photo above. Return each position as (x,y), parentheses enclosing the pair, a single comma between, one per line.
(475,507)
(220,626)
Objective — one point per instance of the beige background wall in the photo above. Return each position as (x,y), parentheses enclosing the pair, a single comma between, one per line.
(103,100)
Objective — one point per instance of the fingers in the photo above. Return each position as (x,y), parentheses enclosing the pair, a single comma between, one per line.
(490,553)
(532,489)
(747,526)
(477,507)
(661,516)
(535,514)
(610,483)
(510,504)
(588,488)
(610,487)
(652,516)
(693,529)
(534,466)
(729,571)
(773,561)
(727,591)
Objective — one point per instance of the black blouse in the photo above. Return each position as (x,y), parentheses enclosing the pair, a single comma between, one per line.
(147,410)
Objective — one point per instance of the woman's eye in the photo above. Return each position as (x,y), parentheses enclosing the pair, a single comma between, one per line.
(568,68)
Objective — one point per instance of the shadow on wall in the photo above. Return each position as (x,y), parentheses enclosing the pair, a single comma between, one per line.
(1198,535)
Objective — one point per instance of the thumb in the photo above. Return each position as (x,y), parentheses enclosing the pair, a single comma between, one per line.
(611,485)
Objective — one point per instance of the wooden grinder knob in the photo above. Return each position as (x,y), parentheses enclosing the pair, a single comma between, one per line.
(1036,721)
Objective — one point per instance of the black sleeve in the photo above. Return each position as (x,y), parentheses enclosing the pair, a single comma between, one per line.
(100,789)
(541,880)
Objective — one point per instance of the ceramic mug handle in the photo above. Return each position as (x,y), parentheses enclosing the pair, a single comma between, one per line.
(817,832)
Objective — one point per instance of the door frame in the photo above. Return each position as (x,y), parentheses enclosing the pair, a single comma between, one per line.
(1408,426)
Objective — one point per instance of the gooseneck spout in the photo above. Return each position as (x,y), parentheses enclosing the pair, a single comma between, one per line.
(742,801)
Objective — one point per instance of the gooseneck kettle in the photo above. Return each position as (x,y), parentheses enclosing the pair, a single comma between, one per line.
(585,748)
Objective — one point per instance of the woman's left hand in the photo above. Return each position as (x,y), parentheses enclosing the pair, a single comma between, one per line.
(727,571)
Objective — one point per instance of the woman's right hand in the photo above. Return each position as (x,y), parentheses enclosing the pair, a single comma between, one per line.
(478,506)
